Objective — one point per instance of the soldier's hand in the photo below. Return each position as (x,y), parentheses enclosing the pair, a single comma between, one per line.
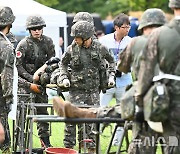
(35,88)
(138,100)
(53,60)
(111,81)
(139,114)
(66,83)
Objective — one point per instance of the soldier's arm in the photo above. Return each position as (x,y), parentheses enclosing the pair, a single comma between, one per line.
(31,86)
(20,55)
(65,61)
(36,74)
(125,58)
(7,72)
(23,83)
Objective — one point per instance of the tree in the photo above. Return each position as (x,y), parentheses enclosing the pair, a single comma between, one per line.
(105,7)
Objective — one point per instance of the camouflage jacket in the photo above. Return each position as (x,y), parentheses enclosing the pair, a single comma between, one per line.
(131,55)
(84,64)
(6,69)
(163,51)
(107,57)
(32,54)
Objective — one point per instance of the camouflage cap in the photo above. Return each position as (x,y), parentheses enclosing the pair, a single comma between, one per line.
(6,16)
(83,16)
(152,16)
(35,21)
(82,29)
(174,4)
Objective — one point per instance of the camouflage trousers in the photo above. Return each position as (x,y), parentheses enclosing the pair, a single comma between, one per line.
(144,140)
(172,129)
(4,120)
(43,127)
(81,97)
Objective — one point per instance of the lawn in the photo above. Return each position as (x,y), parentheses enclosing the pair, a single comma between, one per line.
(57,135)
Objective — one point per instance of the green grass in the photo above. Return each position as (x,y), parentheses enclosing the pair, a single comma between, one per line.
(57,135)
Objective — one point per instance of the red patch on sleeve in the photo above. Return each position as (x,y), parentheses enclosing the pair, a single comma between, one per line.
(18,54)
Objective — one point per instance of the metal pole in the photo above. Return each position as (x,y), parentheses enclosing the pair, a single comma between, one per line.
(97,138)
(31,137)
(22,127)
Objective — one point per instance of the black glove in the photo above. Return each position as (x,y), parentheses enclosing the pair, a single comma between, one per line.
(139,100)
(118,73)
(139,114)
(51,68)
(53,60)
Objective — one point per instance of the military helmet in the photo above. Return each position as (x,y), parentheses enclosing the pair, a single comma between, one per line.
(6,16)
(152,16)
(174,4)
(35,21)
(83,16)
(82,29)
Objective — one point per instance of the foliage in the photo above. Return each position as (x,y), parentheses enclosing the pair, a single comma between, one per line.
(105,7)
(49,3)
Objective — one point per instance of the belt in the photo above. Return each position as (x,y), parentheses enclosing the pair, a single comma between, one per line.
(166,76)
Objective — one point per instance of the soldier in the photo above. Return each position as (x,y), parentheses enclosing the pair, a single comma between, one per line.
(31,53)
(85,61)
(6,73)
(106,56)
(163,49)
(130,59)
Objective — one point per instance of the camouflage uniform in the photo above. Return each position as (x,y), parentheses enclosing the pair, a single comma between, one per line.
(31,54)
(131,56)
(6,74)
(106,56)
(85,65)
(164,53)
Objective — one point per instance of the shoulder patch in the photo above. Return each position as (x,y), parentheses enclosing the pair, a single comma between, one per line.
(18,54)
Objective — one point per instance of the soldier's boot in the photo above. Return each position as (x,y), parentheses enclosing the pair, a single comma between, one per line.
(45,142)
(67,109)
(6,151)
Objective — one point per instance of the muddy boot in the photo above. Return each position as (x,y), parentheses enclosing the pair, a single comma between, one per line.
(45,142)
(67,109)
